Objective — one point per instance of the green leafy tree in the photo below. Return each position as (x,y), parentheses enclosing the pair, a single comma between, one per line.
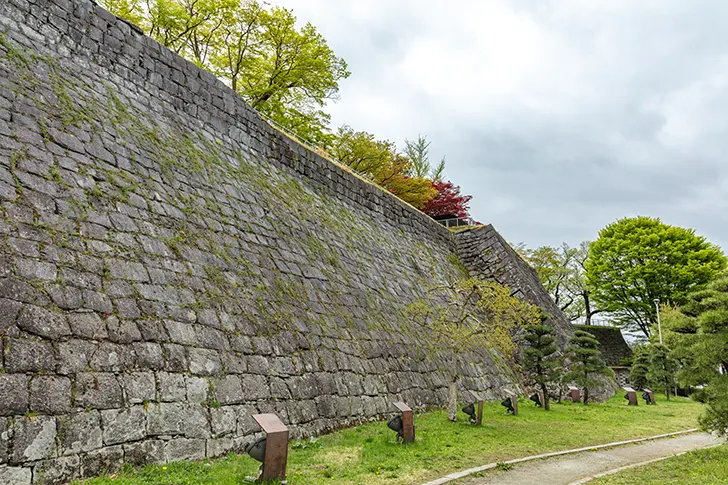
(541,360)
(561,271)
(640,367)
(380,161)
(662,369)
(285,72)
(637,260)
(476,315)
(586,363)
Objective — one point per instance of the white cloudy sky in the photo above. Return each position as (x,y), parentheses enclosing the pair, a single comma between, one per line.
(558,116)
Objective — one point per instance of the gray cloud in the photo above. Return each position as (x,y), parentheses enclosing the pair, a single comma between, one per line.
(558,116)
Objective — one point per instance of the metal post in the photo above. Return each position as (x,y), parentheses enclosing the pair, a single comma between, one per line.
(478,399)
(408,424)
(659,326)
(276,447)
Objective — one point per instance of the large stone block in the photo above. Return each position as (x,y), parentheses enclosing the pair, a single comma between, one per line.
(98,391)
(79,433)
(228,390)
(198,389)
(204,362)
(42,322)
(149,355)
(139,387)
(74,355)
(255,387)
(15,475)
(177,419)
(9,310)
(179,449)
(102,461)
(50,395)
(123,426)
(87,324)
(23,355)
(33,439)
(57,471)
(13,394)
(144,452)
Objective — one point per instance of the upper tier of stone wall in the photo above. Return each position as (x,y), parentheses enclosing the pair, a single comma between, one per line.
(171,265)
(486,254)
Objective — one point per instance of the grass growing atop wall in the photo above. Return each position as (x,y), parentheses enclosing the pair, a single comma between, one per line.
(368,454)
(706,467)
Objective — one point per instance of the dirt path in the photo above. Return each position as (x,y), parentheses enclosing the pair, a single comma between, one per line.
(570,468)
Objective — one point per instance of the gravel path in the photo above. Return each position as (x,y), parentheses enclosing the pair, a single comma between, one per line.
(567,469)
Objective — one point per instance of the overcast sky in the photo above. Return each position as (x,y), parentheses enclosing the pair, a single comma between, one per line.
(557,116)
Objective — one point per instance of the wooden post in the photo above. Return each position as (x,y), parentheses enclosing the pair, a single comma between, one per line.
(478,399)
(652,396)
(276,447)
(575,393)
(408,423)
(631,396)
(514,400)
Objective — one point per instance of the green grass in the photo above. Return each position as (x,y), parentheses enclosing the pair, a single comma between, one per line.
(704,467)
(368,454)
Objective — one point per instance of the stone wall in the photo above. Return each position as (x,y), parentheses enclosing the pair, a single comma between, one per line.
(486,254)
(170,265)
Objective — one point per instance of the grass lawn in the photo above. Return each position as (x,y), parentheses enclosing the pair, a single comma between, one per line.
(368,453)
(704,467)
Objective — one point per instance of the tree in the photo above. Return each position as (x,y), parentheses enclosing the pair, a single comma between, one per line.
(662,368)
(476,315)
(640,367)
(698,332)
(587,365)
(418,153)
(447,201)
(380,161)
(637,260)
(540,358)
(282,71)
(561,271)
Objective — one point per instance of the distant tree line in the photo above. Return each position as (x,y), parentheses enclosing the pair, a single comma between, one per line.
(288,73)
(636,268)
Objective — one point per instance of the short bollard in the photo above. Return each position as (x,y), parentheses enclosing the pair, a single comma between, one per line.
(513,399)
(480,400)
(631,396)
(407,431)
(575,394)
(275,446)
(648,396)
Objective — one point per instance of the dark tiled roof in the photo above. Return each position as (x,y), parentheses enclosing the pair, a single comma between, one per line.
(611,343)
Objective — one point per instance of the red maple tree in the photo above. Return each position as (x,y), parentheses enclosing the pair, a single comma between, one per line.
(448,201)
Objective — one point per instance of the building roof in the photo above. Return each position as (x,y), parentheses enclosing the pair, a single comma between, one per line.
(611,343)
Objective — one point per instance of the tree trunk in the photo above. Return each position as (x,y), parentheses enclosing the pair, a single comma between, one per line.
(667,388)
(587,307)
(452,400)
(586,396)
(546,403)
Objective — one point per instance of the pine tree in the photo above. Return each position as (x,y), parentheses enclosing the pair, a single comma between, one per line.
(663,368)
(540,359)
(640,368)
(587,364)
